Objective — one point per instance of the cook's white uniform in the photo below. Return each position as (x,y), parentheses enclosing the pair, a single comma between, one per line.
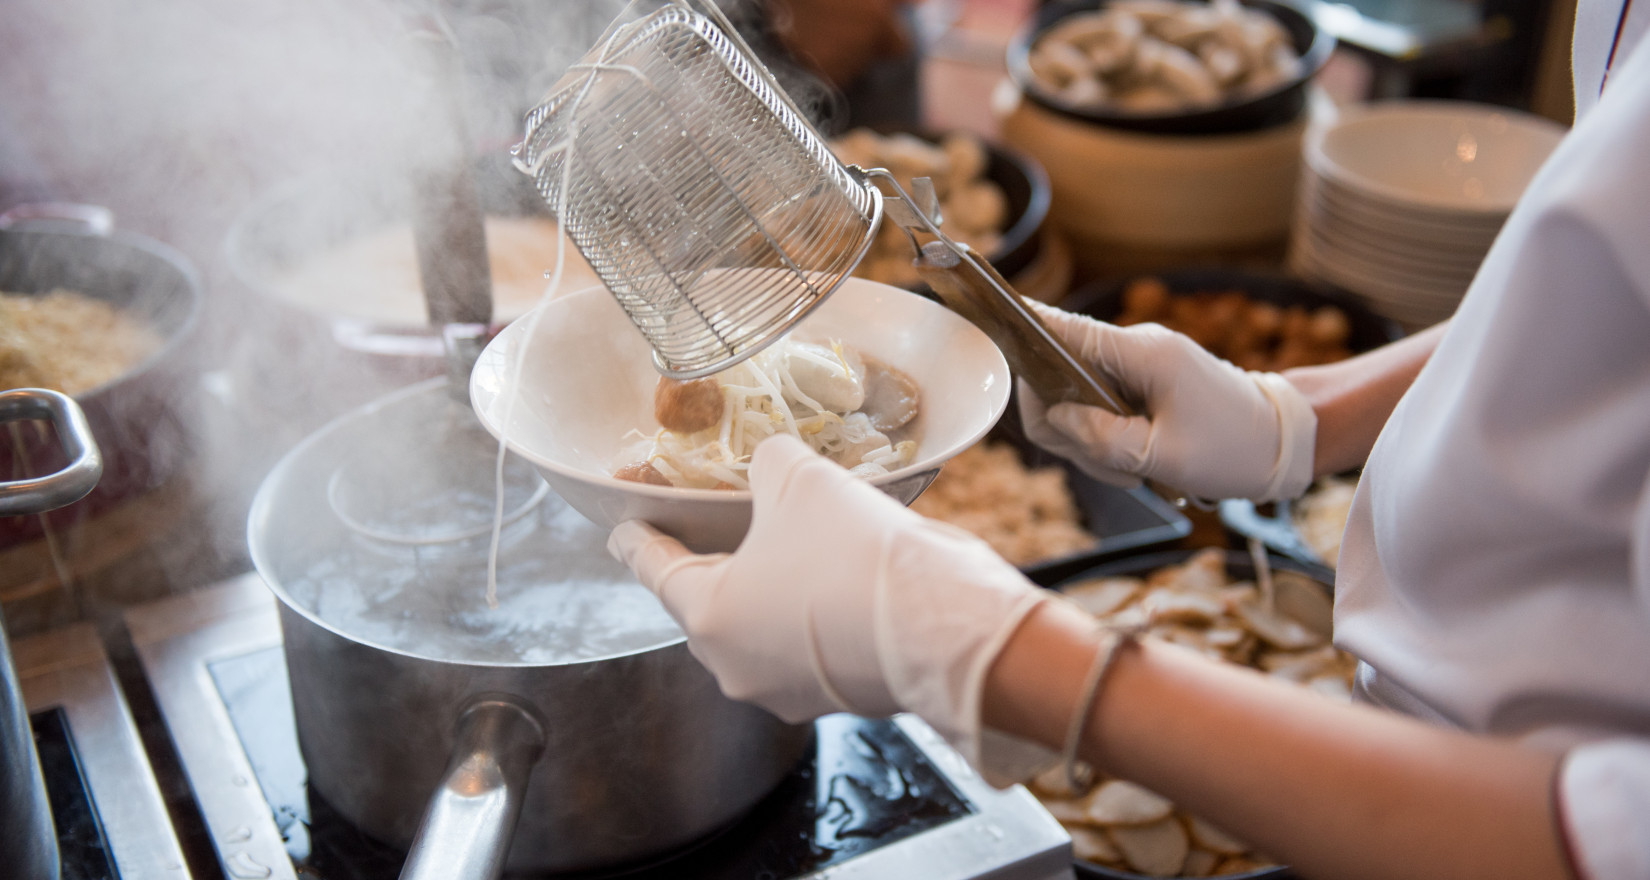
(1495,573)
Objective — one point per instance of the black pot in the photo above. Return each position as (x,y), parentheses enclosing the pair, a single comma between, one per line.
(1277,106)
(141,418)
(1026,187)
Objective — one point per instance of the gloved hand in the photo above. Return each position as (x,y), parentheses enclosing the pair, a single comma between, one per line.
(1211,429)
(840,599)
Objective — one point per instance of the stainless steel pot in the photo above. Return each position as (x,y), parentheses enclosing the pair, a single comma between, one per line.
(574,703)
(28,839)
(140,418)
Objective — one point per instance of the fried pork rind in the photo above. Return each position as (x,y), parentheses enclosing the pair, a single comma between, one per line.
(1197,606)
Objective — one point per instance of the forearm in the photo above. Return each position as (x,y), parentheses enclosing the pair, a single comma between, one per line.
(1335,790)
(1353,398)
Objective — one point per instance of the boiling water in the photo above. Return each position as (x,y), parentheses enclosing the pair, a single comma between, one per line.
(381,526)
(561,598)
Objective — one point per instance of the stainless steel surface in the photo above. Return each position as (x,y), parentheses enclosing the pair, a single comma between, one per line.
(704,200)
(85,463)
(1009,836)
(68,669)
(387,645)
(472,815)
(175,639)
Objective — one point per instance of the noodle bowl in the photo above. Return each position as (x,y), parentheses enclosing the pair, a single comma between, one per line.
(587,380)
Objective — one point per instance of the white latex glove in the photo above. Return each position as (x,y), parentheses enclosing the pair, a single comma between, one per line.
(1212,429)
(840,599)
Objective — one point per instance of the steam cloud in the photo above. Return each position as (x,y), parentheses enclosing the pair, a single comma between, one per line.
(179,114)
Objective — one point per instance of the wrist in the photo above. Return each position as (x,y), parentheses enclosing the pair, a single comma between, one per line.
(1038,676)
(1297,438)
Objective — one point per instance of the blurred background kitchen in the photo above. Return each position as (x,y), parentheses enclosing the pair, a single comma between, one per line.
(252,160)
(187,120)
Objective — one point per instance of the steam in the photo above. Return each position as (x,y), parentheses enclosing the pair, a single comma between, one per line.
(180,115)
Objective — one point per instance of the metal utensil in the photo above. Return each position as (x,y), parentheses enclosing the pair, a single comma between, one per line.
(719,217)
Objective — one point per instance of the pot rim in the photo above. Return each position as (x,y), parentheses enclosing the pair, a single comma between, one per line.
(262,514)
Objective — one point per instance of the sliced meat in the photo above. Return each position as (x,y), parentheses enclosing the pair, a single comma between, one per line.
(641,472)
(891,396)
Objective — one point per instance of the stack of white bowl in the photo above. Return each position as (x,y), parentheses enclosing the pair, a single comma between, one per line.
(1400,200)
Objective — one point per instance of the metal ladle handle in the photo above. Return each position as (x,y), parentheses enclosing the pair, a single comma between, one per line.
(972,288)
(77,478)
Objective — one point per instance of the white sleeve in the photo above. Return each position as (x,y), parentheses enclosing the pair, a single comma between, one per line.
(1604,808)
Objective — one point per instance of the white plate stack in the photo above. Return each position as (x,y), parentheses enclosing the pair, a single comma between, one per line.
(1400,200)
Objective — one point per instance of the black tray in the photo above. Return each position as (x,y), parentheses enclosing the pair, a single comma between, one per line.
(1123,520)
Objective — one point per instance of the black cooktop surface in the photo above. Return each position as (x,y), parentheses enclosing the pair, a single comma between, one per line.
(81,842)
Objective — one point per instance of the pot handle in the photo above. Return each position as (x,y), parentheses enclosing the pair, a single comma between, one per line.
(472,816)
(96,219)
(75,480)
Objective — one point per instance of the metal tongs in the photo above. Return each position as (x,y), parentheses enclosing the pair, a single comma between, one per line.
(970,286)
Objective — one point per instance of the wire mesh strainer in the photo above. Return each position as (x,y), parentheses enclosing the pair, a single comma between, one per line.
(718,216)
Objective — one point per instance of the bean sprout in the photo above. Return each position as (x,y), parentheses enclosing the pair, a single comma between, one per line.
(808,390)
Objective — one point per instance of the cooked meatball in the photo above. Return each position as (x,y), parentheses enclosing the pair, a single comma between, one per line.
(685,407)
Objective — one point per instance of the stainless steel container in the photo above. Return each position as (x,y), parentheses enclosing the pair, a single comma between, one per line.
(574,703)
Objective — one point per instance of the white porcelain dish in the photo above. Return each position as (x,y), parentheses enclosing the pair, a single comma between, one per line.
(1456,156)
(587,378)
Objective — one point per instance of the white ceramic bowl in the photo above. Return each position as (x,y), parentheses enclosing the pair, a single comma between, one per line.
(1451,156)
(587,379)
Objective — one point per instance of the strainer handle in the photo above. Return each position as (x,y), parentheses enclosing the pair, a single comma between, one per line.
(972,287)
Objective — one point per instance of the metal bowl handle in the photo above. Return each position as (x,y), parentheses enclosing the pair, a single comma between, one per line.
(472,816)
(75,480)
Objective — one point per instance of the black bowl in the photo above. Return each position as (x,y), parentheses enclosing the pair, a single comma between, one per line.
(1026,189)
(1276,106)
(1103,299)
(1025,185)
(1238,564)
